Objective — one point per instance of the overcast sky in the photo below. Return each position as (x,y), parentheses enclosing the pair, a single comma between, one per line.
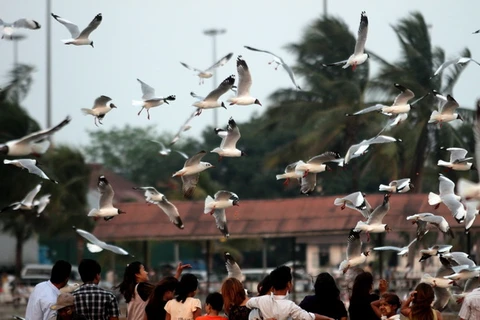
(146,39)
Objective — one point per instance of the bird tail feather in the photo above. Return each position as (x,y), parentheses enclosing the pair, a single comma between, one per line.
(434,199)
(208,200)
(137,103)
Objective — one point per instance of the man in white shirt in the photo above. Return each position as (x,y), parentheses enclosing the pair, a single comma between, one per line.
(275,305)
(45,293)
(471,306)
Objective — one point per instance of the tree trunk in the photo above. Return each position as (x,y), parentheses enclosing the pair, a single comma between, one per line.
(79,249)
(419,158)
(18,253)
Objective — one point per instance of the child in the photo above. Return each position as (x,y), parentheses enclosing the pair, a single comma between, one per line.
(387,306)
(213,306)
(164,291)
(184,306)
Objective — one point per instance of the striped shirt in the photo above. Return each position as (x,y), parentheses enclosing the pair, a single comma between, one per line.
(95,303)
(471,306)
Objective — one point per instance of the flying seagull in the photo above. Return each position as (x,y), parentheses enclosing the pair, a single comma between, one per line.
(374,222)
(458,161)
(397,186)
(9,29)
(447,111)
(361,148)
(359,56)
(36,143)
(79,38)
(243,96)
(460,60)
(185,126)
(230,137)
(106,209)
(30,165)
(155,197)
(448,197)
(290,173)
(403,251)
(216,206)
(208,73)
(279,62)
(149,100)
(355,201)
(233,270)
(355,256)
(27,203)
(211,100)
(101,106)
(190,173)
(97,245)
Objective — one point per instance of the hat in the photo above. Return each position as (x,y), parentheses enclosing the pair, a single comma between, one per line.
(64,300)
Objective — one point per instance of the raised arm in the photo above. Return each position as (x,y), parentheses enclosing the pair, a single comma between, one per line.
(376,307)
(405,309)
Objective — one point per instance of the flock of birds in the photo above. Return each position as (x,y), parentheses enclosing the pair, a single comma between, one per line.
(456,266)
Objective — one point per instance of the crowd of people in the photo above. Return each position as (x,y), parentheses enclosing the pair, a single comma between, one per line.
(173,298)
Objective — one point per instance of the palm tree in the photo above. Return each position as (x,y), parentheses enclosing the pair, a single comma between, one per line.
(418,61)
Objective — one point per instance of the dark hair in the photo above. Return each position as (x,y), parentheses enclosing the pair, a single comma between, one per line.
(155,305)
(265,285)
(188,284)
(362,286)
(127,287)
(280,277)
(233,293)
(392,299)
(88,269)
(61,271)
(326,288)
(215,300)
(421,304)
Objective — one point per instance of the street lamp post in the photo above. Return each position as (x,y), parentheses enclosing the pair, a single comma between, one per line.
(213,33)
(49,68)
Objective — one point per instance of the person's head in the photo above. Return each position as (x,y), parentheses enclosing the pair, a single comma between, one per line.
(326,288)
(64,305)
(233,293)
(187,287)
(389,304)
(214,303)
(362,286)
(90,271)
(60,273)
(422,301)
(163,291)
(265,286)
(134,273)
(281,278)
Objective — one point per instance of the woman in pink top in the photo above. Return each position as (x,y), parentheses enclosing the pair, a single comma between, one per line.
(135,290)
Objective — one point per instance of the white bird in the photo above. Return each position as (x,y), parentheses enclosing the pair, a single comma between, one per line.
(341,161)
(41,203)
(9,29)
(458,161)
(233,269)
(243,96)
(208,73)
(359,56)
(449,198)
(185,126)
(460,60)
(216,206)
(361,148)
(106,209)
(211,100)
(403,251)
(316,164)
(434,250)
(374,222)
(191,172)
(436,282)
(79,38)
(155,197)
(103,245)
(69,288)
(36,143)
(355,256)
(356,201)
(164,151)
(290,173)
(230,137)
(471,215)
(457,258)
(439,222)
(101,106)
(279,62)
(31,166)
(27,203)
(446,112)
(149,99)
(400,104)
(464,272)
(397,186)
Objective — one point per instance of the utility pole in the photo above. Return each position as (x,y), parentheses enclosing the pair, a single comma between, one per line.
(325,13)
(49,67)
(213,33)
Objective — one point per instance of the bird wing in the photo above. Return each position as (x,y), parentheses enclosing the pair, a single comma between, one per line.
(381,139)
(89,237)
(195,159)
(291,75)
(377,215)
(443,66)
(93,248)
(446,186)
(324,157)
(421,229)
(72,28)
(362,34)
(183,154)
(223,195)
(171,211)
(338,63)
(91,26)
(196,96)
(42,134)
(308,183)
(221,221)
(189,184)
(403,97)
(221,62)
(233,135)
(245,79)
(148,92)
(402,183)
(221,89)
(457,153)
(28,200)
(26,23)
(42,203)
(264,51)
(101,101)
(149,191)
(450,106)
(106,191)
(182,128)
(435,220)
(354,245)
(388,248)
(190,67)
(376,107)
(33,169)
(114,249)
(291,167)
(233,268)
